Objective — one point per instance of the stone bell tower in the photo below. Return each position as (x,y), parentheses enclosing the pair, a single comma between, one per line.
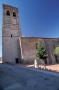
(10,35)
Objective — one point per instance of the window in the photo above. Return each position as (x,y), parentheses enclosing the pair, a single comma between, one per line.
(8,13)
(14,14)
(11,35)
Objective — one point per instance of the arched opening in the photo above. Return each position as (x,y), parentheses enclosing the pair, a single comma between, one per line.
(8,13)
(14,14)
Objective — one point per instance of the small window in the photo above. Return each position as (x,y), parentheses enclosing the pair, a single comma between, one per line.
(14,14)
(11,35)
(8,13)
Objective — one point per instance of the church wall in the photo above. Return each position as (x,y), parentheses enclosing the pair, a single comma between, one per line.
(49,43)
(28,45)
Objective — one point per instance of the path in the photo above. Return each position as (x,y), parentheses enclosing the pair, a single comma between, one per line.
(13,77)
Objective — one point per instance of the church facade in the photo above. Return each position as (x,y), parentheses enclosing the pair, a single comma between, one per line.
(18,49)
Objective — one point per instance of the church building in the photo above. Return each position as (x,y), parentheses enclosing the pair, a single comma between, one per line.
(18,49)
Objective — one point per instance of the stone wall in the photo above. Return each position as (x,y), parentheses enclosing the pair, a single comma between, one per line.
(10,33)
(28,47)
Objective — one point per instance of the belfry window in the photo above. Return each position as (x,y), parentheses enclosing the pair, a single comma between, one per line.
(8,13)
(14,14)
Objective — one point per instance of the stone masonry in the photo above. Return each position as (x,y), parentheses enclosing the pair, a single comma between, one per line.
(10,33)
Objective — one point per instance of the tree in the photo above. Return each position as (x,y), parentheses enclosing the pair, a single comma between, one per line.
(56,51)
(41,52)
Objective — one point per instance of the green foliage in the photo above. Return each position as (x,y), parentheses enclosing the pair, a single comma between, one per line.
(41,51)
(56,51)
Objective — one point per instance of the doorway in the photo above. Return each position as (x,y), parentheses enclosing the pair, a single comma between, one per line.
(17,60)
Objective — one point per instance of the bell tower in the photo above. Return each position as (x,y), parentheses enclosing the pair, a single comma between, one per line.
(10,35)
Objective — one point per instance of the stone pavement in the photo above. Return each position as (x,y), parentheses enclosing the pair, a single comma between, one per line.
(13,77)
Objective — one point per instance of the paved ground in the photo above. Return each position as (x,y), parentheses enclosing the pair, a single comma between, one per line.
(49,67)
(13,77)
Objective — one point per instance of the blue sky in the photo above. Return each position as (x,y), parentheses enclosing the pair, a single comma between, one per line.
(38,18)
